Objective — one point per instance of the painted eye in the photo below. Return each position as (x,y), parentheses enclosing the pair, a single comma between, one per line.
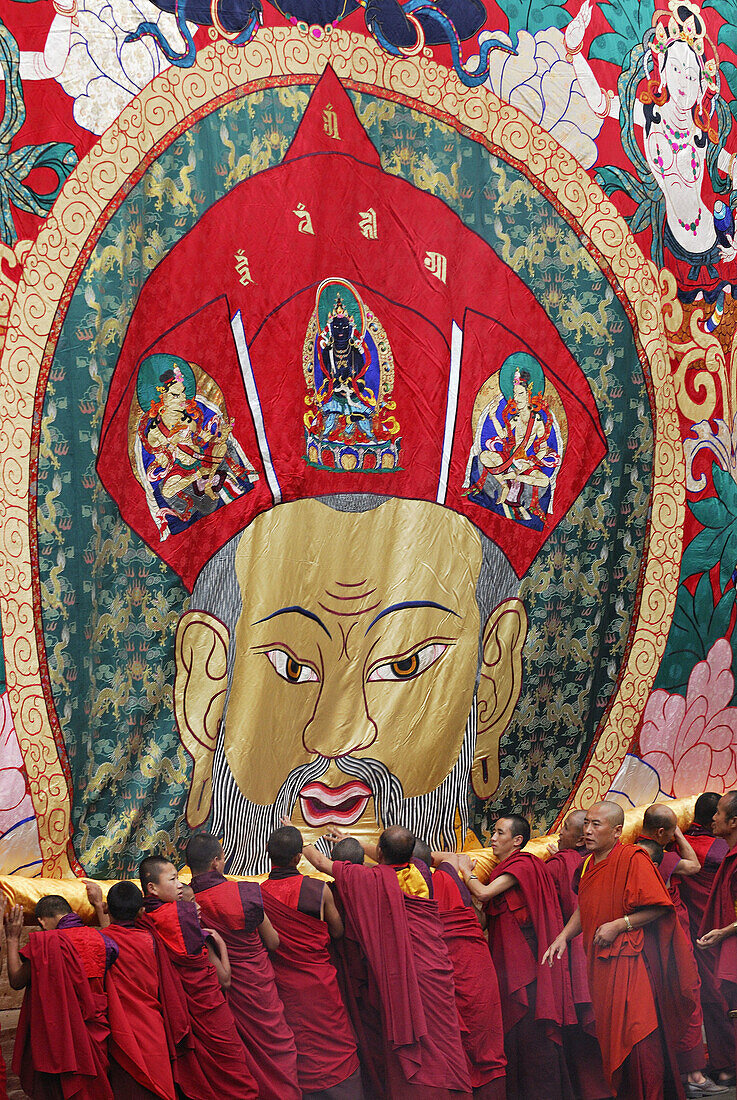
(407,668)
(290,669)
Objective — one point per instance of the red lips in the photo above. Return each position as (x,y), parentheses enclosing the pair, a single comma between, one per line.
(322,805)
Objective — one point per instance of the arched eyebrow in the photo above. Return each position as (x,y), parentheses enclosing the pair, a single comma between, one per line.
(298,611)
(408,604)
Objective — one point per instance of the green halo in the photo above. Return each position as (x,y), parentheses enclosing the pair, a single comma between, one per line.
(520,361)
(328,291)
(149,377)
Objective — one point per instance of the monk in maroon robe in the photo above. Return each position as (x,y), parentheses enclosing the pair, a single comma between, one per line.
(640,977)
(357,986)
(61,1041)
(476,986)
(695,890)
(303,913)
(236,910)
(718,939)
(583,1053)
(678,863)
(217,1066)
(398,926)
(523,912)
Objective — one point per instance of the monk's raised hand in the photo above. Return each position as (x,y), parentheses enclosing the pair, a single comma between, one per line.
(13,922)
(556,950)
(285,819)
(552,849)
(334,835)
(94,892)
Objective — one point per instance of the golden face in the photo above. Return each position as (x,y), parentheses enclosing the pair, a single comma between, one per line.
(358,637)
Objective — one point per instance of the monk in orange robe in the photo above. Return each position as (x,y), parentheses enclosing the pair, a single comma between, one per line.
(581,1045)
(641,972)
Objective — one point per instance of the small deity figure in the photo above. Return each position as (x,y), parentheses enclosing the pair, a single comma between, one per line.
(518,446)
(675,125)
(349,370)
(185,454)
(348,404)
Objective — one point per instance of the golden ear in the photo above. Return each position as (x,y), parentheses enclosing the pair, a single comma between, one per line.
(499,687)
(201,654)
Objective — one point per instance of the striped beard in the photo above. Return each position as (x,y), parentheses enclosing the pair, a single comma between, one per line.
(244,826)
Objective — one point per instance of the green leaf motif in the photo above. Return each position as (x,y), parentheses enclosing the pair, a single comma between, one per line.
(629,23)
(697,625)
(729,72)
(524,15)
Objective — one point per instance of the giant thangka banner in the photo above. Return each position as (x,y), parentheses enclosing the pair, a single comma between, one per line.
(368,419)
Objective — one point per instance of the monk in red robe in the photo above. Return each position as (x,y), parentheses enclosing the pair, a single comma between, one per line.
(583,1054)
(640,969)
(523,912)
(140,1061)
(678,863)
(695,890)
(303,913)
(61,1041)
(718,939)
(217,1067)
(391,911)
(236,910)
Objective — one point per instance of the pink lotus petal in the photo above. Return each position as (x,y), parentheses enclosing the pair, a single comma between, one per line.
(721,690)
(662,720)
(663,765)
(721,730)
(721,762)
(9,818)
(690,733)
(13,788)
(693,771)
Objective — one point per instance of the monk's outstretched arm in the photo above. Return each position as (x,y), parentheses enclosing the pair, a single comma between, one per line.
(557,948)
(19,969)
(317,859)
(480,890)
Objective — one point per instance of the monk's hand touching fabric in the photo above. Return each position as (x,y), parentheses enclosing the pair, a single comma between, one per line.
(13,922)
(465,864)
(607,933)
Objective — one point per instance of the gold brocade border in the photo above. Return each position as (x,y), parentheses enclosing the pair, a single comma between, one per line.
(171,98)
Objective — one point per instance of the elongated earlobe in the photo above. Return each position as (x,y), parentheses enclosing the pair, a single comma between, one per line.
(499,688)
(201,653)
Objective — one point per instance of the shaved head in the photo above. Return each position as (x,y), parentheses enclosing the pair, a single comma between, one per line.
(396,844)
(602,828)
(571,834)
(611,811)
(657,817)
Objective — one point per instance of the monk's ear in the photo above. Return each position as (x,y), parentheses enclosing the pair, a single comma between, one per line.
(201,653)
(499,687)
